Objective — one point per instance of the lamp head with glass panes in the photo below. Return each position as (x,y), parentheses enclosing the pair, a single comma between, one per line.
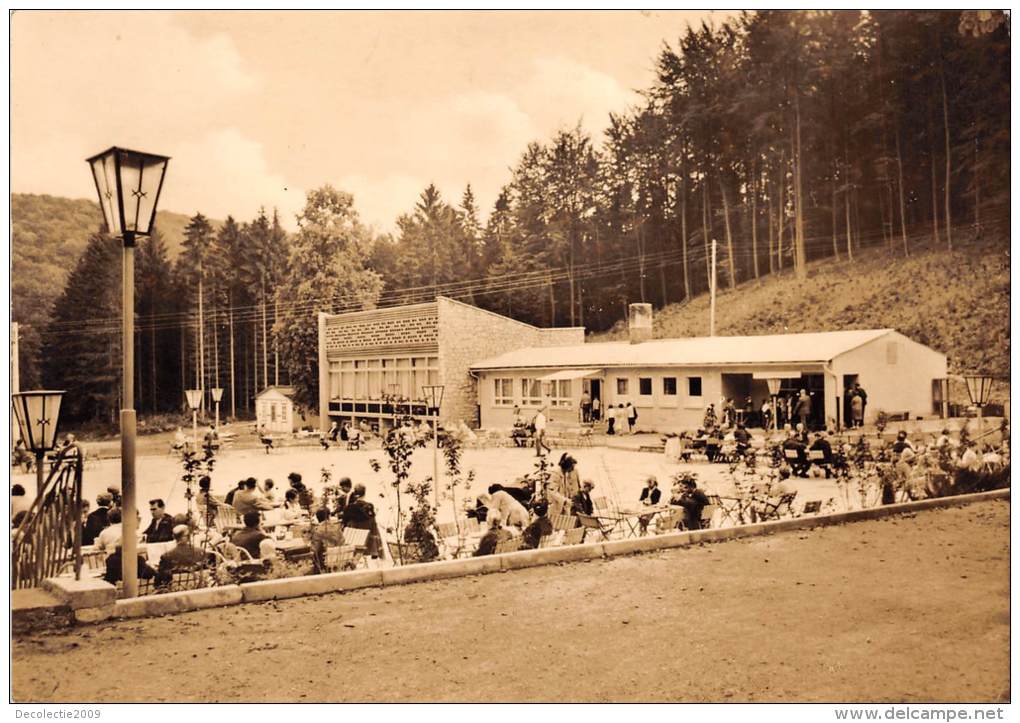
(128,183)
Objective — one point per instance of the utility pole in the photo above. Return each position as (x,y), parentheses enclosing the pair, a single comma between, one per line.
(711,306)
(233,396)
(201,337)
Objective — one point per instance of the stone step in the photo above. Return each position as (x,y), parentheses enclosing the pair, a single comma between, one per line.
(33,609)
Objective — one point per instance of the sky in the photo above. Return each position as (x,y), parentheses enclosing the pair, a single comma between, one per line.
(256,108)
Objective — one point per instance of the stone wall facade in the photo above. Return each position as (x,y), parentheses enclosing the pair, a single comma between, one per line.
(468,334)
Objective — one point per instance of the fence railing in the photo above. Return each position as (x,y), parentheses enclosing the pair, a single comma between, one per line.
(49,536)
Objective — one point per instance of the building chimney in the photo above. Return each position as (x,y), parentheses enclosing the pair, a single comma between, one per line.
(640,323)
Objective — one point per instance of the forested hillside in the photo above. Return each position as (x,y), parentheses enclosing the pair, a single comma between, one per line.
(954,301)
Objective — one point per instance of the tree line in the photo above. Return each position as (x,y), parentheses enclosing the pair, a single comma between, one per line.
(783,136)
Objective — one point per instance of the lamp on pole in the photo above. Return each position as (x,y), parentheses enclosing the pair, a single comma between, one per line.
(38,413)
(433,394)
(128,184)
(194,401)
(979,388)
(217,396)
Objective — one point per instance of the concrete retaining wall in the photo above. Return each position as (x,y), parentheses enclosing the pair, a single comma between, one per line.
(87,605)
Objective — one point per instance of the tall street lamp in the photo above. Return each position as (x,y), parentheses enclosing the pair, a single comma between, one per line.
(774,385)
(433,394)
(37,413)
(194,401)
(979,388)
(217,395)
(128,184)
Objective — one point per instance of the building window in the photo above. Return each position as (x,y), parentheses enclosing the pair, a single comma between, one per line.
(561,393)
(504,393)
(693,386)
(621,387)
(272,412)
(669,386)
(531,392)
(645,386)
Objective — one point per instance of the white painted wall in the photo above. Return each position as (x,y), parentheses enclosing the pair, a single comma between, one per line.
(897,378)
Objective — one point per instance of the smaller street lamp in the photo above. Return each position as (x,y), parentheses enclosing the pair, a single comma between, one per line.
(433,394)
(979,388)
(38,413)
(194,401)
(217,396)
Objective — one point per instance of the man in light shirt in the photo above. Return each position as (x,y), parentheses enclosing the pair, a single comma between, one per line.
(109,539)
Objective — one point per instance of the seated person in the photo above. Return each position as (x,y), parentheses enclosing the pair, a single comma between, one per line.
(161,528)
(98,520)
(334,431)
(206,501)
(480,511)
(743,438)
(360,514)
(495,535)
(521,494)
(326,533)
(249,499)
(180,441)
(113,573)
(355,436)
(501,506)
(821,444)
(581,503)
(212,439)
(291,507)
(182,557)
(251,536)
(229,499)
(713,444)
(650,496)
(110,538)
(540,527)
(795,454)
(20,505)
(265,438)
(901,442)
(693,501)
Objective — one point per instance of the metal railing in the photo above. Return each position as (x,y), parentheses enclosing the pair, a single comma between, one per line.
(49,536)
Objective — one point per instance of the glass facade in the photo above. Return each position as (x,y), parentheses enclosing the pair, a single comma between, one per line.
(359,385)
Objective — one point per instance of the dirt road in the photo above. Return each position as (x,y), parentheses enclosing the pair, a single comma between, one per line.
(907,609)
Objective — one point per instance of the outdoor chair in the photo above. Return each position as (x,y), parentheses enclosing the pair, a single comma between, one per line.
(669,521)
(448,529)
(707,515)
(730,509)
(227,518)
(336,559)
(356,537)
(549,540)
(472,526)
(574,536)
(404,553)
(564,522)
(601,503)
(773,508)
(589,522)
(511,545)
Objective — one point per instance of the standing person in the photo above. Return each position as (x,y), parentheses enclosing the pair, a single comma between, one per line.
(540,424)
(585,407)
(611,419)
(856,409)
(360,514)
(710,419)
(621,418)
(766,414)
(562,485)
(631,417)
(859,391)
(98,520)
(596,409)
(803,409)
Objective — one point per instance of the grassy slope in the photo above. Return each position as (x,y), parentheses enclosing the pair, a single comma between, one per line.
(957,303)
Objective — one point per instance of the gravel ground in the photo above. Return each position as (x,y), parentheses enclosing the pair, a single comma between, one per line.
(912,608)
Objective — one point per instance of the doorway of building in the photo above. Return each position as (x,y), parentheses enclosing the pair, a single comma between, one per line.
(594,389)
(848,385)
(789,392)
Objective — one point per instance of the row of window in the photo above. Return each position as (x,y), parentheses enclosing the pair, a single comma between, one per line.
(668,386)
(365,379)
(560,392)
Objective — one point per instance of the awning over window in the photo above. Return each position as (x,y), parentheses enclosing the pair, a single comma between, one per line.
(571,374)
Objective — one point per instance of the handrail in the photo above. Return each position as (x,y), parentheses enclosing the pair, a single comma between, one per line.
(39,546)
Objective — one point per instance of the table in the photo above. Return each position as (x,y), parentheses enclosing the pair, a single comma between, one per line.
(293,549)
(639,517)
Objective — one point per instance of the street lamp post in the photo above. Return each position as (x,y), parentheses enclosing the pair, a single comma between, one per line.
(194,401)
(979,388)
(433,394)
(217,396)
(128,184)
(774,385)
(38,413)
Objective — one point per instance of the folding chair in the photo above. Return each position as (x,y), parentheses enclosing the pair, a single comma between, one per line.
(707,515)
(182,580)
(448,529)
(404,553)
(472,525)
(564,522)
(601,503)
(549,540)
(772,508)
(574,536)
(729,509)
(589,522)
(227,518)
(668,521)
(511,545)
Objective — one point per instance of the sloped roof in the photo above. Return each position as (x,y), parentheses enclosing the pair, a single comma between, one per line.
(693,351)
(284,390)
